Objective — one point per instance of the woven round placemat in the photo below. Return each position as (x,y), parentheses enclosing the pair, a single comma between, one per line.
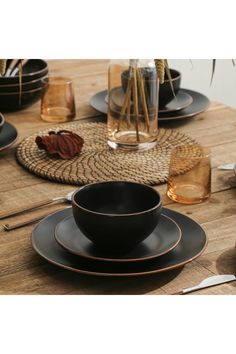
(98,162)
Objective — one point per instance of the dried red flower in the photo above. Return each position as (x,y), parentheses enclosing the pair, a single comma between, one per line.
(63,143)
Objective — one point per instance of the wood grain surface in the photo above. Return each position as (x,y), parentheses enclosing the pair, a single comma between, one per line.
(22,271)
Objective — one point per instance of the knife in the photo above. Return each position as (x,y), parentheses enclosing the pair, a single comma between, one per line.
(229,166)
(208,282)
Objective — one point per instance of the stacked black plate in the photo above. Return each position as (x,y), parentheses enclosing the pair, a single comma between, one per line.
(186,104)
(176,241)
(8,134)
(16,93)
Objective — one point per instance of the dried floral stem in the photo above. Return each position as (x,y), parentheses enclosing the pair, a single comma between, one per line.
(20,80)
(160,68)
(143,97)
(3,64)
(126,103)
(127,97)
(167,69)
(213,69)
(128,109)
(135,94)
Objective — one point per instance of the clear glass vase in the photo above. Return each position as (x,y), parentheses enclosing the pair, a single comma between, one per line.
(132,104)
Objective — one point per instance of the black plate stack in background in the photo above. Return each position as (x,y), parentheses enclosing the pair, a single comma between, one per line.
(8,134)
(20,92)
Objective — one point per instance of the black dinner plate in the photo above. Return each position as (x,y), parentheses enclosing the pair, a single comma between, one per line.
(8,136)
(163,239)
(182,100)
(192,244)
(199,104)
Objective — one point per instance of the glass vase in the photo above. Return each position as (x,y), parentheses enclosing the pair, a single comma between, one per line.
(132,104)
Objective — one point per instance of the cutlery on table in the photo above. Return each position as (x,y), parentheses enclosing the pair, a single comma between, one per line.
(229,166)
(208,282)
(35,205)
(9,227)
(17,225)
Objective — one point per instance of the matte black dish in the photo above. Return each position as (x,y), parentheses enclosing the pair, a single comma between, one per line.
(182,100)
(192,244)
(27,86)
(15,101)
(200,104)
(165,90)
(8,136)
(2,121)
(116,215)
(162,240)
(32,70)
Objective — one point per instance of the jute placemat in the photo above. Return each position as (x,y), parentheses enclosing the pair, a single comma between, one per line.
(97,162)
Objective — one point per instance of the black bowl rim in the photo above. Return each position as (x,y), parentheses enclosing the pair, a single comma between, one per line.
(177,72)
(2,120)
(26,83)
(74,203)
(33,73)
(21,92)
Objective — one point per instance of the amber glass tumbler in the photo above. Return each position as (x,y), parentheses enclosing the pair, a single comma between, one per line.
(58,103)
(189,179)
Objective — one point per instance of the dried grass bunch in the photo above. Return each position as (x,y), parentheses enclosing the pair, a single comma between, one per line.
(136,96)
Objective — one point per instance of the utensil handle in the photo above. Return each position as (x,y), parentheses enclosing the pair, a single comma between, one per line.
(9,227)
(20,210)
(178,293)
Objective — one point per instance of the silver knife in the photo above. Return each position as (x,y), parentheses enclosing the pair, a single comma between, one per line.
(229,166)
(208,282)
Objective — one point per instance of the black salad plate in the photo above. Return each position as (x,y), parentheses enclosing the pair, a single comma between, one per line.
(199,104)
(163,239)
(8,136)
(191,245)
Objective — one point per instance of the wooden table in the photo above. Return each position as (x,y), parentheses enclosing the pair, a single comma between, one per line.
(22,271)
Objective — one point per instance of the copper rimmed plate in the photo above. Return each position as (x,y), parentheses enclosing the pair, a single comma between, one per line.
(182,100)
(8,136)
(163,239)
(191,245)
(199,104)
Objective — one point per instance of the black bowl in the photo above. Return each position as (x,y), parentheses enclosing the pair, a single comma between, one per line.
(25,86)
(116,216)
(165,91)
(2,121)
(32,70)
(14,101)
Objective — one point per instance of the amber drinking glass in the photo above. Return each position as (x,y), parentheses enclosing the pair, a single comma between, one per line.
(189,179)
(58,103)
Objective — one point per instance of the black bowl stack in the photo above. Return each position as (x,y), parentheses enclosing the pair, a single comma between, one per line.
(16,94)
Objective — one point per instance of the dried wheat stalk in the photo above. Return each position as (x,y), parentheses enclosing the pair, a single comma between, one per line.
(134,86)
(160,68)
(3,64)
